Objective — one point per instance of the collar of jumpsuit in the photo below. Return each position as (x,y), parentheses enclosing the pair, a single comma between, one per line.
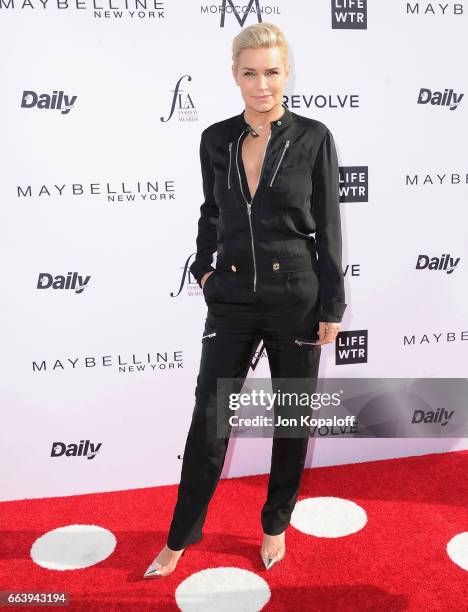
(283,121)
(276,127)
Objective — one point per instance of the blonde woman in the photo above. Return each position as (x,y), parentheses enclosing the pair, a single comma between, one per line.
(271,211)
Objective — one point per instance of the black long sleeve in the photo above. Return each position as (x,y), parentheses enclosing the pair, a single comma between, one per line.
(207,236)
(326,211)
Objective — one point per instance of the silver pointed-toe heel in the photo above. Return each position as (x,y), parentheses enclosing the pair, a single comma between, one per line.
(268,562)
(154,571)
(151,572)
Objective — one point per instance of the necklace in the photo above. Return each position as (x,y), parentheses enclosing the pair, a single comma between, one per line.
(253,132)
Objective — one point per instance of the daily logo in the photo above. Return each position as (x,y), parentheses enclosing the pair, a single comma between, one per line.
(58,100)
(441,416)
(85,448)
(72,281)
(448,98)
(445,262)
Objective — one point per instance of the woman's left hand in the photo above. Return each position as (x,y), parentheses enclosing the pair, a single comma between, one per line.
(327,332)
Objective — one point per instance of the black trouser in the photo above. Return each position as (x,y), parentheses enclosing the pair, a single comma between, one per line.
(279,313)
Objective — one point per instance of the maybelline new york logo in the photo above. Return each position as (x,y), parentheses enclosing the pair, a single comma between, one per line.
(85,448)
(72,281)
(438,337)
(99,9)
(445,262)
(58,101)
(182,103)
(438,98)
(114,193)
(445,178)
(125,364)
(434,8)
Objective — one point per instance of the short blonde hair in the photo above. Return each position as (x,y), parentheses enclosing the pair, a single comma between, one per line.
(259,35)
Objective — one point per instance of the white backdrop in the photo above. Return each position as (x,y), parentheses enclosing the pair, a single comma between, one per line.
(75,200)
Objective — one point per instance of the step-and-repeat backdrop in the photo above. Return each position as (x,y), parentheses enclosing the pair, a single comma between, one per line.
(102,106)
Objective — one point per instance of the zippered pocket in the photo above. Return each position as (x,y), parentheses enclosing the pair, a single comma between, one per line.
(211,335)
(302,341)
(229,170)
(286,145)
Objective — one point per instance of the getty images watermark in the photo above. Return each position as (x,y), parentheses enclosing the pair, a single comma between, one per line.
(343,407)
(268,401)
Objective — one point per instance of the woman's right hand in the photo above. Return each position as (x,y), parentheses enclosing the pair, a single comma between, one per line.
(204,277)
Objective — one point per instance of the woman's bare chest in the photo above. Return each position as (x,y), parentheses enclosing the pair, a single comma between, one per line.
(253,153)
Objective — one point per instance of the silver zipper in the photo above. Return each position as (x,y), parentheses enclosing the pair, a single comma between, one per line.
(249,204)
(229,171)
(209,335)
(301,342)
(249,212)
(286,145)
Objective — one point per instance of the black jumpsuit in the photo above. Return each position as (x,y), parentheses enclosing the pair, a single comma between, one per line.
(278,273)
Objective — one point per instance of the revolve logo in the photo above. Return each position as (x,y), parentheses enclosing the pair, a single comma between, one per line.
(322,100)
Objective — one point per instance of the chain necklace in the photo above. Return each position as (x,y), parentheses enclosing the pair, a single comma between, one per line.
(253,132)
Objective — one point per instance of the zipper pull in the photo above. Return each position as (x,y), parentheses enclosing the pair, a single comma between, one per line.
(286,145)
(229,171)
(301,342)
(209,335)
(249,206)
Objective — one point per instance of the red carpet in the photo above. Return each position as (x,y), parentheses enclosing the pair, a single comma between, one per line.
(385,548)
